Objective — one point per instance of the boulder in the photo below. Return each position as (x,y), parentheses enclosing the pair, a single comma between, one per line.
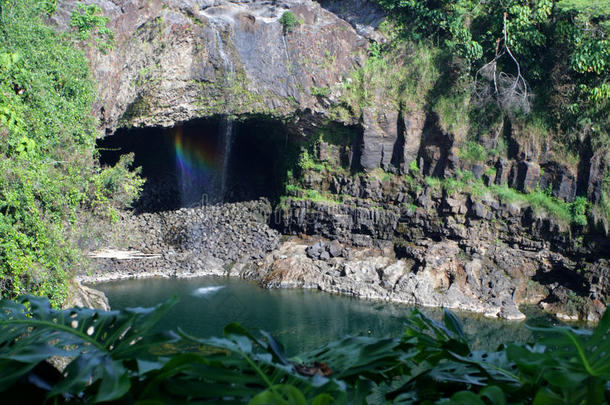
(86,297)
(335,249)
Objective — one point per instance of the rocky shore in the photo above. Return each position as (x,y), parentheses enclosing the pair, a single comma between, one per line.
(189,242)
(489,277)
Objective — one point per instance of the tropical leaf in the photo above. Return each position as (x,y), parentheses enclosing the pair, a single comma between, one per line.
(98,342)
(117,357)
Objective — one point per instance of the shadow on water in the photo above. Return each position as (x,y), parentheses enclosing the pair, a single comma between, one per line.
(300,319)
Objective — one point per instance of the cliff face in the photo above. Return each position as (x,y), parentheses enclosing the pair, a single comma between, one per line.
(178,60)
(454,249)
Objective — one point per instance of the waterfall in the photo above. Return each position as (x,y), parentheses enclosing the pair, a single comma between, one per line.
(228,137)
(228,124)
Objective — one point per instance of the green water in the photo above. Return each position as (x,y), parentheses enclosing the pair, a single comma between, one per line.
(300,319)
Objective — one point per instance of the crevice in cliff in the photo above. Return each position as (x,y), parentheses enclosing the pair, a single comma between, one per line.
(204,161)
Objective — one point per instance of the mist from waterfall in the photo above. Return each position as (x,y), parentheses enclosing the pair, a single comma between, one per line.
(202,160)
(196,167)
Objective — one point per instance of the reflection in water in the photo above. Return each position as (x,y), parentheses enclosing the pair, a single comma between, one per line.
(300,319)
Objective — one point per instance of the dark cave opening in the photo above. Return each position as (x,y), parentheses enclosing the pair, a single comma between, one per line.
(205,161)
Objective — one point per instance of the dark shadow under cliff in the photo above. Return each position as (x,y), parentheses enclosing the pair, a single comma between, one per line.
(205,161)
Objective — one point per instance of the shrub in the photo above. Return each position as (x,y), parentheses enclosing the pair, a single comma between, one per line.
(433,182)
(413,167)
(89,19)
(579,210)
(320,91)
(289,21)
(307,162)
(473,152)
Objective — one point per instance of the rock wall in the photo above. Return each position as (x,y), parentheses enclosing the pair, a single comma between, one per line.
(182,59)
(178,60)
(502,254)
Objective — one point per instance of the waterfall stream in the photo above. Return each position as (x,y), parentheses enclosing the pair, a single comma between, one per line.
(228,124)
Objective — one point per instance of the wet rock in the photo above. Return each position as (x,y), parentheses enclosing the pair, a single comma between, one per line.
(179,45)
(364,15)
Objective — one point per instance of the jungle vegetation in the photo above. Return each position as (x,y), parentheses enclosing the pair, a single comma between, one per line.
(52,190)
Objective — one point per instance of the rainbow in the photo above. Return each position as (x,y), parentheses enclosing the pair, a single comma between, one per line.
(197,164)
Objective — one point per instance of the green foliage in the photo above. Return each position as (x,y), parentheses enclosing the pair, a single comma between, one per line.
(592,9)
(561,46)
(433,18)
(307,162)
(491,172)
(49,6)
(539,200)
(413,167)
(300,194)
(115,357)
(399,76)
(289,21)
(47,147)
(473,152)
(452,105)
(583,31)
(320,91)
(433,182)
(89,19)
(579,209)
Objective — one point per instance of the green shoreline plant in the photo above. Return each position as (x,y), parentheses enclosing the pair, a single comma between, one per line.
(122,357)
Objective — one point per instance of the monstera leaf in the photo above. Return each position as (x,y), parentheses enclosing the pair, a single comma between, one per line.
(568,364)
(252,368)
(99,343)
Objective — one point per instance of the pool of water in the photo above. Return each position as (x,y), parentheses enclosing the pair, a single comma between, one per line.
(300,319)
